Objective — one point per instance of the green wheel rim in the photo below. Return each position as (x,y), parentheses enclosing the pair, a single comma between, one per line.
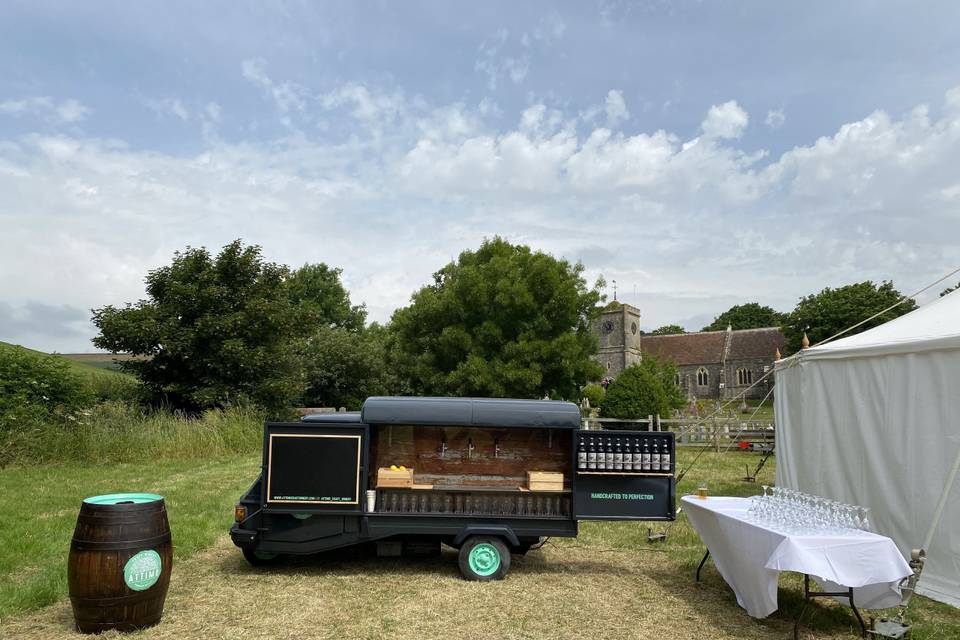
(484,559)
(264,555)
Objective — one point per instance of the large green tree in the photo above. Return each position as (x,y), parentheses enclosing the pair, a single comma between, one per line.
(751,315)
(668,330)
(319,288)
(645,389)
(825,314)
(344,367)
(217,330)
(500,321)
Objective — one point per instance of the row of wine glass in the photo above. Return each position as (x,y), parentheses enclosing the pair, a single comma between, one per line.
(780,506)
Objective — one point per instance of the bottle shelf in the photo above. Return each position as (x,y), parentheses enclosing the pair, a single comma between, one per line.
(624,473)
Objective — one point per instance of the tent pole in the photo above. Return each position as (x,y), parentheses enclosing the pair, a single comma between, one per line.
(942,503)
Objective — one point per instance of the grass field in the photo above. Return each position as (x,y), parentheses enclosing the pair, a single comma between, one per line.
(108,361)
(82,365)
(610,582)
(39,508)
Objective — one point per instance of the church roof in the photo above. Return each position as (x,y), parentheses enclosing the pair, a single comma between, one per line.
(756,343)
(705,347)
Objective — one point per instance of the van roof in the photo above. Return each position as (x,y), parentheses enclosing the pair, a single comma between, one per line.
(490,412)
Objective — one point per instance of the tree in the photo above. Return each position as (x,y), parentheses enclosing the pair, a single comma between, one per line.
(595,394)
(318,287)
(343,368)
(825,314)
(949,289)
(500,321)
(37,384)
(751,315)
(665,370)
(668,330)
(648,388)
(216,330)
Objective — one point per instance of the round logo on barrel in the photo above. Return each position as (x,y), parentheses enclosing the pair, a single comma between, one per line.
(142,570)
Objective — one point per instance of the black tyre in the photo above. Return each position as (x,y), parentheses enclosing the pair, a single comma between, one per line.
(260,558)
(484,558)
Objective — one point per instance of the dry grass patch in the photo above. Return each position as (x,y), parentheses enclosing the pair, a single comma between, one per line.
(562,591)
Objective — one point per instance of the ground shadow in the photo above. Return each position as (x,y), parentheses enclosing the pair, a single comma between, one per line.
(823,615)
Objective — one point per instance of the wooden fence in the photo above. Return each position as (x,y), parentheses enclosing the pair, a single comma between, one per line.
(718,432)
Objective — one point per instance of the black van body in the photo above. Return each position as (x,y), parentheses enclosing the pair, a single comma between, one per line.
(312,493)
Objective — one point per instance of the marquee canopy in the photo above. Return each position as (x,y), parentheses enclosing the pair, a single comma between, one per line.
(874,419)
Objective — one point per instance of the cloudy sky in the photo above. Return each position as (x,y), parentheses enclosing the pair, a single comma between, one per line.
(702,154)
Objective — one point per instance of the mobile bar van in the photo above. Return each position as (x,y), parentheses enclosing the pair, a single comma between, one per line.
(489,477)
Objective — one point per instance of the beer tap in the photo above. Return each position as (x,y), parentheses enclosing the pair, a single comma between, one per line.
(496,447)
(470,447)
(443,446)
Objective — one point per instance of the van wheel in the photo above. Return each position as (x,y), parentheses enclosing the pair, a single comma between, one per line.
(260,558)
(484,558)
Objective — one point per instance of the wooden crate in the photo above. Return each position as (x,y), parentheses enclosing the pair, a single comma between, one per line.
(394,478)
(544,481)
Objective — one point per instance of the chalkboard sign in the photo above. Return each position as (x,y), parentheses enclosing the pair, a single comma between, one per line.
(623,497)
(313,469)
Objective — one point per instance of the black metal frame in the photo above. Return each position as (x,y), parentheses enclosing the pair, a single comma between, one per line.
(702,562)
(808,595)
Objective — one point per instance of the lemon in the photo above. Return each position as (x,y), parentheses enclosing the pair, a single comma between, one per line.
(393,467)
(402,468)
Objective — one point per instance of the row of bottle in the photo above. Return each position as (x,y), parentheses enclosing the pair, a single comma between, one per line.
(613,453)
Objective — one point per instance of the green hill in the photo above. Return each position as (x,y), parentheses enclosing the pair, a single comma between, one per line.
(103,383)
(77,365)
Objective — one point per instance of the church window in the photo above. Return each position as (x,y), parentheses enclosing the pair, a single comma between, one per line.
(676,379)
(703,377)
(744,376)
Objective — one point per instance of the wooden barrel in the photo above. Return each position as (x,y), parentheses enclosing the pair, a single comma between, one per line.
(120,561)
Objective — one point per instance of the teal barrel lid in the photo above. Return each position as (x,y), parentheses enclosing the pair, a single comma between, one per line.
(117,498)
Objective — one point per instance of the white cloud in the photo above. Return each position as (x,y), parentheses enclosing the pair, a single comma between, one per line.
(172,107)
(549,29)
(213,111)
(725,120)
(775,118)
(496,64)
(616,108)
(363,103)
(287,96)
(680,219)
(71,111)
(65,112)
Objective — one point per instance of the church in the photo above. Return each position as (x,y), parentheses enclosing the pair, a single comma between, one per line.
(716,365)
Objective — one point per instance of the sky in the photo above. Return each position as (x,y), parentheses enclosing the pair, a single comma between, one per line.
(701,154)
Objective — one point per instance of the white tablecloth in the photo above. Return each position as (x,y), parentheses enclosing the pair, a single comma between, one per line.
(750,556)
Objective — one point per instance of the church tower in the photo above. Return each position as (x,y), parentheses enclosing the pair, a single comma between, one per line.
(618,328)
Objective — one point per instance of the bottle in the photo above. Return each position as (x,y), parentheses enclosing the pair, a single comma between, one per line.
(609,451)
(592,456)
(582,454)
(627,456)
(617,456)
(665,457)
(655,457)
(645,458)
(637,456)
